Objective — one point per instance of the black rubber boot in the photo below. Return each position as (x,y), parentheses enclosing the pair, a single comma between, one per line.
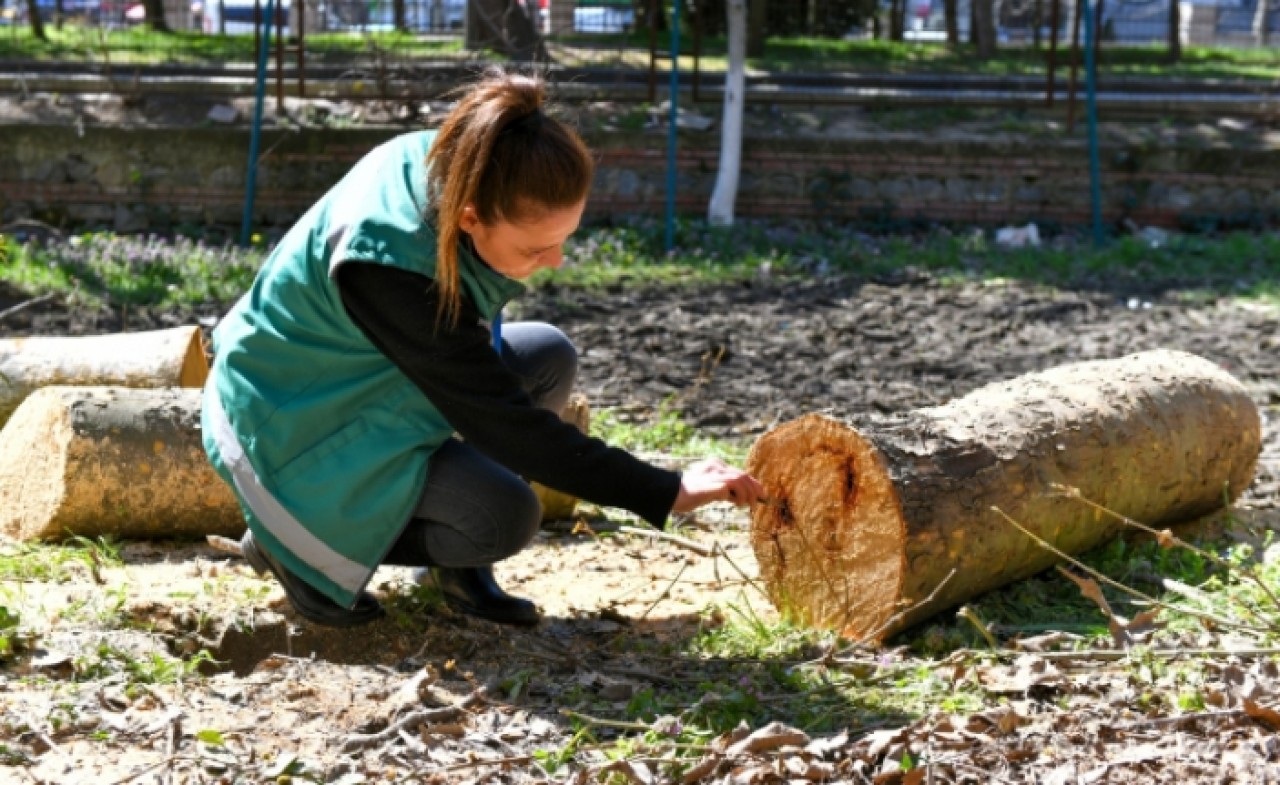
(305,599)
(473,591)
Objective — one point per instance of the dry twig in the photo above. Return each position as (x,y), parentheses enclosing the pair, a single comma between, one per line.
(22,306)
(358,742)
(1120,586)
(675,539)
(1169,539)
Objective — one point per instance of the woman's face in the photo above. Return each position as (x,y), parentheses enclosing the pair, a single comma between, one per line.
(518,249)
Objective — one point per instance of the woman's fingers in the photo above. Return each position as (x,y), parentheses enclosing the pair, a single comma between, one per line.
(713,480)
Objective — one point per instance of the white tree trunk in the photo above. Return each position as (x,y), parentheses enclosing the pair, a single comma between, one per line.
(725,194)
(1260,31)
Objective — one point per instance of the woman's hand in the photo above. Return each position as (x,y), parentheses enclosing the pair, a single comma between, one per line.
(713,480)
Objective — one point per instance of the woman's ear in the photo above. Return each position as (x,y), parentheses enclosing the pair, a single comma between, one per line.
(469,221)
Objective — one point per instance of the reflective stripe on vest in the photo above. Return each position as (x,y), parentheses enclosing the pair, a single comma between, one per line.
(348,574)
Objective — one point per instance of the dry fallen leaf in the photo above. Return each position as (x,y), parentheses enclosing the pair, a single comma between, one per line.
(1264,714)
(1125,633)
(770,737)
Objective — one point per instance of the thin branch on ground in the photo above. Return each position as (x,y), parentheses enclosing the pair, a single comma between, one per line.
(224,544)
(1228,623)
(600,722)
(674,539)
(895,618)
(720,551)
(1168,538)
(684,565)
(22,306)
(358,742)
(1108,655)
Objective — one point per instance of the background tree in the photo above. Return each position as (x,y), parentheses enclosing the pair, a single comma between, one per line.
(951,17)
(757,24)
(1261,31)
(720,212)
(1175,31)
(506,27)
(399,17)
(155,15)
(37,26)
(984,27)
(897,15)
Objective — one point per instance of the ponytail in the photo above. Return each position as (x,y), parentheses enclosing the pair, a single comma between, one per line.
(500,153)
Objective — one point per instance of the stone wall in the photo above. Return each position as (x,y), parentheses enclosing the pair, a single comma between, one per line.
(134,179)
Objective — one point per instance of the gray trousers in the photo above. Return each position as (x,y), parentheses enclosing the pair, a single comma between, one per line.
(474,512)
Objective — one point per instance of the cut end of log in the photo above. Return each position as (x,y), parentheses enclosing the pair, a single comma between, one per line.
(842,566)
(195,365)
(118,461)
(33,463)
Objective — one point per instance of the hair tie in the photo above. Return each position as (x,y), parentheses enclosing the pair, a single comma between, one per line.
(531,121)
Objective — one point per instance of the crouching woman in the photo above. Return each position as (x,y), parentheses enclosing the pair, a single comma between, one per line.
(368,406)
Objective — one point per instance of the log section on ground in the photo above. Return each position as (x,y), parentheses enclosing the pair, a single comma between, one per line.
(114,461)
(557,505)
(156,358)
(866,521)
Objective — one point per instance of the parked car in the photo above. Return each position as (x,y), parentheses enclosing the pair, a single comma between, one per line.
(604,16)
(233,16)
(91,11)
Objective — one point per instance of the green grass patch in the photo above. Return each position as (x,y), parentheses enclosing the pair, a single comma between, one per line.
(98,268)
(140,46)
(1221,586)
(57,563)
(75,41)
(101,268)
(666,432)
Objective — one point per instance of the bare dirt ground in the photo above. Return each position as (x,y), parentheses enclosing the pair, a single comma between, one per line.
(430,696)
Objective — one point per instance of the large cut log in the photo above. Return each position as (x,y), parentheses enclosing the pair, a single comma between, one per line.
(110,461)
(156,358)
(865,522)
(557,505)
(128,462)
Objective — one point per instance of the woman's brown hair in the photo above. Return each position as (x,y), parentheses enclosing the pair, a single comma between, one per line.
(500,153)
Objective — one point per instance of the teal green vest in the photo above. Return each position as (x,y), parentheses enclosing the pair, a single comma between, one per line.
(324,440)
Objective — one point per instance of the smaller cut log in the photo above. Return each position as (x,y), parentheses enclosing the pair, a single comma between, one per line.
(155,358)
(877,525)
(557,505)
(117,461)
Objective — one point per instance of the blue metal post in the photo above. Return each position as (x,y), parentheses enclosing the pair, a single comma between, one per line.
(671,133)
(255,137)
(1091,107)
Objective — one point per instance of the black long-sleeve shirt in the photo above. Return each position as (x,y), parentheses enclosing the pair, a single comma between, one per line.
(457,369)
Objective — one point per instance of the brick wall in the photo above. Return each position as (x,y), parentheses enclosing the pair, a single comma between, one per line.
(139,179)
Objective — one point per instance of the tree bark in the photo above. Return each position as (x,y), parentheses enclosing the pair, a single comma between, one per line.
(399,18)
(126,462)
(897,10)
(951,17)
(757,27)
(984,34)
(506,27)
(37,25)
(1261,28)
(155,15)
(1175,31)
(156,358)
(118,461)
(865,522)
(720,211)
